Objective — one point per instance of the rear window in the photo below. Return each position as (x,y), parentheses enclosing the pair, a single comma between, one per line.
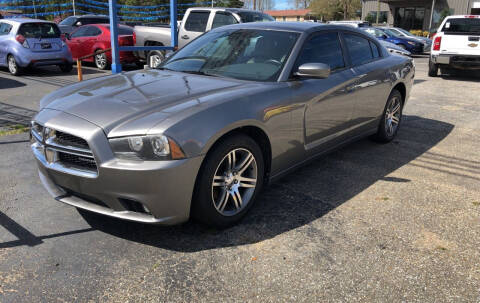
(94,20)
(39,30)
(254,17)
(69,21)
(462,26)
(197,21)
(123,30)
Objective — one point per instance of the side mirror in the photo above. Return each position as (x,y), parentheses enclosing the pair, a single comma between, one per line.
(66,36)
(313,70)
(384,36)
(78,23)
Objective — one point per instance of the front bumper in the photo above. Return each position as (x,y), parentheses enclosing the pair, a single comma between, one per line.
(157,192)
(466,62)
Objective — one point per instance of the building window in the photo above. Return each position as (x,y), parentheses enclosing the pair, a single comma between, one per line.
(372,17)
(410,17)
(284,18)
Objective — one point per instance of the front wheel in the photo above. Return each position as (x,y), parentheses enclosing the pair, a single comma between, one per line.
(228,182)
(13,67)
(392,116)
(432,69)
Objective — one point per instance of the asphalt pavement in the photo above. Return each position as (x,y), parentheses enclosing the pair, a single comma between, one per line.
(371,222)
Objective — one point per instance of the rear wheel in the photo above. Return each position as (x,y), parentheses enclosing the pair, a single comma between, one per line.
(13,67)
(101,61)
(392,116)
(432,69)
(155,58)
(66,68)
(229,181)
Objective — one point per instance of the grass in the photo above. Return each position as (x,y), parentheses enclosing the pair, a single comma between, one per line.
(476,203)
(14,129)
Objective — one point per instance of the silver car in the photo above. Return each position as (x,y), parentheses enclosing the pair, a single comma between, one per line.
(233,110)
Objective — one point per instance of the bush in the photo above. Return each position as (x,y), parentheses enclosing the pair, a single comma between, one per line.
(419,32)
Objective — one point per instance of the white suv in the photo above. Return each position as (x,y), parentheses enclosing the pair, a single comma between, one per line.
(456,44)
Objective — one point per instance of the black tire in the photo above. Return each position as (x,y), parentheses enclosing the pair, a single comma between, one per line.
(13,67)
(66,68)
(157,56)
(432,69)
(203,205)
(384,133)
(101,61)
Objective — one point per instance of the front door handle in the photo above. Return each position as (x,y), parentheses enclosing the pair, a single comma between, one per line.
(186,37)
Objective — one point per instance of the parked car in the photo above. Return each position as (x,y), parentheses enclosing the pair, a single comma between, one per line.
(394,49)
(404,33)
(195,22)
(32,43)
(231,111)
(89,39)
(69,24)
(456,45)
(414,46)
(353,23)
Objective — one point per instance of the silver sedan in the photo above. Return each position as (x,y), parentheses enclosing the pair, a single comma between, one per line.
(201,135)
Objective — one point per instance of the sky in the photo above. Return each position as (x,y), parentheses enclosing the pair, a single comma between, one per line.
(282,4)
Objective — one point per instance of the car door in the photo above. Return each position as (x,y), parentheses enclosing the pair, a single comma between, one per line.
(194,26)
(5,29)
(371,88)
(75,42)
(329,103)
(91,37)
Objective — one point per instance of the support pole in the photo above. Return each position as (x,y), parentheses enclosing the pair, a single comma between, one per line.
(79,70)
(431,17)
(378,10)
(73,5)
(173,21)
(116,66)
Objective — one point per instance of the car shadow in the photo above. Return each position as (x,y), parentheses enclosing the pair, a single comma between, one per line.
(297,199)
(460,75)
(10,83)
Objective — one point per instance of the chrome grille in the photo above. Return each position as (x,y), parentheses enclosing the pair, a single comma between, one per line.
(62,151)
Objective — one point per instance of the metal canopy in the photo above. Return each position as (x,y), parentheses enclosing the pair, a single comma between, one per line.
(116,65)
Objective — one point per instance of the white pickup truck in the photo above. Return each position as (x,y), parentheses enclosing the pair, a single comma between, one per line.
(195,22)
(456,45)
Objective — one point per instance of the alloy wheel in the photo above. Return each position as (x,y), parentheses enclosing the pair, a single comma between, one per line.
(12,65)
(155,60)
(101,61)
(234,182)
(392,116)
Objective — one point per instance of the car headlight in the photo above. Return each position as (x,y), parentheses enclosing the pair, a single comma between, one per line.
(411,42)
(146,148)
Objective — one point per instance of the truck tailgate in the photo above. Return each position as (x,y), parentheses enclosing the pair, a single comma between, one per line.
(461,44)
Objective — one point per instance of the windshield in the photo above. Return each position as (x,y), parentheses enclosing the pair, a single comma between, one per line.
(405,32)
(39,30)
(390,32)
(374,32)
(247,54)
(69,21)
(254,17)
(462,26)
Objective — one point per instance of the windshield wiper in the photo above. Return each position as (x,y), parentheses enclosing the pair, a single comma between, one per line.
(194,72)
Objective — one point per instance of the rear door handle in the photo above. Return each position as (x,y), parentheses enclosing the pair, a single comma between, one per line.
(185,37)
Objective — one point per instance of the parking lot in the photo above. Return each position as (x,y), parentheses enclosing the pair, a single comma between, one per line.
(370,223)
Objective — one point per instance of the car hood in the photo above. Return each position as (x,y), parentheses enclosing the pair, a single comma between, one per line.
(114,101)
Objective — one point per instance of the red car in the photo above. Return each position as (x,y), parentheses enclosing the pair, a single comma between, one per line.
(90,38)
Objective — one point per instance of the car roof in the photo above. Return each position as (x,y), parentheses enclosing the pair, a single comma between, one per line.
(293,26)
(25,20)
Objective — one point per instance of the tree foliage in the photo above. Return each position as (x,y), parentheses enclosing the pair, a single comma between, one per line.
(336,9)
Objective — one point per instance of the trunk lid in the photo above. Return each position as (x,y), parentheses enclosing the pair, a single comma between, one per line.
(461,35)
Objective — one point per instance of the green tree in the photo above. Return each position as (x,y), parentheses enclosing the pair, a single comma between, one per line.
(335,9)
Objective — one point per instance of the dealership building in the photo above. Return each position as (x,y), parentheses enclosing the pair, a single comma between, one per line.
(417,14)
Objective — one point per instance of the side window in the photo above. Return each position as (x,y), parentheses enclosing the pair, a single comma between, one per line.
(197,21)
(81,32)
(358,49)
(222,19)
(92,31)
(322,48)
(5,29)
(375,50)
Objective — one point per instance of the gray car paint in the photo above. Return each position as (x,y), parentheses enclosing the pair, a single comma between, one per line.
(302,118)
